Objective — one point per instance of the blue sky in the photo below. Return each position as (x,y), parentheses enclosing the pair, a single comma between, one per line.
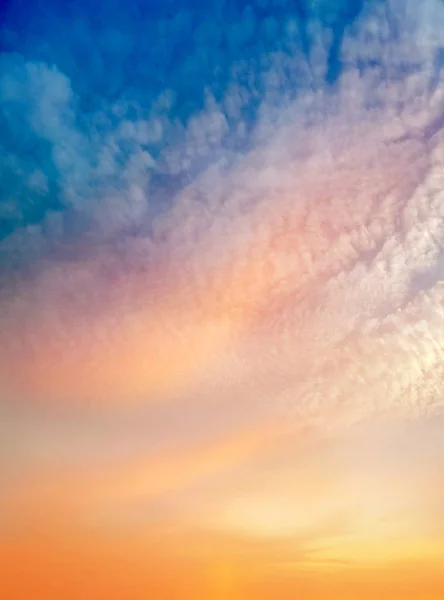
(170,64)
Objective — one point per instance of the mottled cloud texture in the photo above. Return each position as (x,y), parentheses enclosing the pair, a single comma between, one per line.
(222,226)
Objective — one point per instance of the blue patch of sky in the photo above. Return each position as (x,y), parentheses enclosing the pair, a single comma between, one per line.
(129,54)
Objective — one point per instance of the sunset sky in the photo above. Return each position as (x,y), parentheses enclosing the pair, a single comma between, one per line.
(222,300)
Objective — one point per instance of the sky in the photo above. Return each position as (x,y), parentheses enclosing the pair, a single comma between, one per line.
(222,300)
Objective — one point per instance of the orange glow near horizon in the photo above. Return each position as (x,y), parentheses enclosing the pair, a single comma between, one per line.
(112,568)
(283,517)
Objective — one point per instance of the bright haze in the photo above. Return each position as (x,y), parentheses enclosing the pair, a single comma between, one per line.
(222,300)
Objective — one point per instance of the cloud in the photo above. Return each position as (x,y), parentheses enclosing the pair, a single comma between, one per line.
(239,219)
(91,118)
(317,198)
